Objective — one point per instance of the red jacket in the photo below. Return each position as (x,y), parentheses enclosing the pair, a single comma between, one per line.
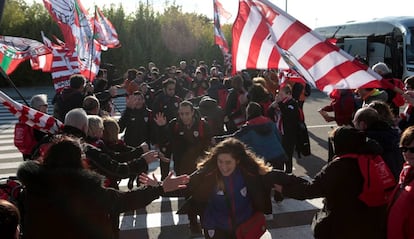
(401,210)
(343,106)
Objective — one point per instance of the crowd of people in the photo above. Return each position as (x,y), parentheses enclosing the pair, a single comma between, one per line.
(230,142)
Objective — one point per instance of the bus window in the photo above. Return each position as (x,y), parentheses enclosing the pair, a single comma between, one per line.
(410,47)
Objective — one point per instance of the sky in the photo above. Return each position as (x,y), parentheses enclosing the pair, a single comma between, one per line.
(313,13)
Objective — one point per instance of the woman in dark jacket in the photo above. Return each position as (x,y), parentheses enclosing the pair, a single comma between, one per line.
(64,200)
(340,182)
(230,185)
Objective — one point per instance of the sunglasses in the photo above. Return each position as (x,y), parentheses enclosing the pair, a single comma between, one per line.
(406,149)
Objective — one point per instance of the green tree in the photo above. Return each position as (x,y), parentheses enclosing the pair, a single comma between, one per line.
(145,35)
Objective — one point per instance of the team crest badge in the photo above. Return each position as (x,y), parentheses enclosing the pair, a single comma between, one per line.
(243,192)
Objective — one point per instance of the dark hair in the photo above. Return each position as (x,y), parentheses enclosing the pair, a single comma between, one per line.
(368,115)
(384,111)
(258,93)
(9,219)
(90,103)
(169,81)
(100,84)
(203,70)
(132,74)
(253,110)
(407,136)
(214,79)
(77,81)
(65,152)
(239,151)
(347,139)
(186,103)
(101,73)
(237,82)
(287,89)
(142,68)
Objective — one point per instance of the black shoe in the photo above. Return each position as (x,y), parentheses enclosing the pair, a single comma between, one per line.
(278,197)
(131,183)
(195,229)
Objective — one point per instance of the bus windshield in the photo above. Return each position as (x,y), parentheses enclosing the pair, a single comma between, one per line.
(410,46)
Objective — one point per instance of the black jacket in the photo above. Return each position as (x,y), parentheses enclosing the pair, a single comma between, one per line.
(71,203)
(186,145)
(343,215)
(138,125)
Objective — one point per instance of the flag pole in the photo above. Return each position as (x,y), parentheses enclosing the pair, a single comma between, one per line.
(5,76)
(92,45)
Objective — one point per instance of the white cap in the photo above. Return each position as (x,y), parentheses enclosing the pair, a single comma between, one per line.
(381,68)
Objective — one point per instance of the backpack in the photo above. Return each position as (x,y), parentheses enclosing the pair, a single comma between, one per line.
(24,139)
(379,182)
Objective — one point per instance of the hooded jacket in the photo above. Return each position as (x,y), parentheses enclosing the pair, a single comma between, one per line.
(263,137)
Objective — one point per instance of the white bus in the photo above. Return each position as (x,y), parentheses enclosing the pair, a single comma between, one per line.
(390,40)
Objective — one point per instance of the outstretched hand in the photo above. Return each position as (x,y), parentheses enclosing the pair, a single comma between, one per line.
(172,183)
(160,119)
(150,156)
(147,180)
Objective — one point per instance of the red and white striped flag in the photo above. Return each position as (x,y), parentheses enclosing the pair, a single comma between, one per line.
(219,37)
(89,58)
(105,32)
(43,63)
(64,14)
(31,117)
(15,50)
(266,37)
(88,49)
(75,25)
(64,64)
